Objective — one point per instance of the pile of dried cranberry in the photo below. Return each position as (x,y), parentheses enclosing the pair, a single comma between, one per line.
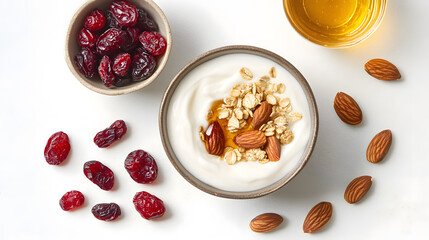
(139,164)
(121,44)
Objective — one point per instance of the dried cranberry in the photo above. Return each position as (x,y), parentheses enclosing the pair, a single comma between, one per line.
(124,12)
(106,211)
(144,64)
(111,21)
(71,200)
(86,62)
(145,22)
(148,205)
(87,38)
(109,135)
(120,82)
(99,174)
(132,39)
(153,42)
(57,148)
(110,41)
(95,20)
(105,71)
(141,166)
(122,64)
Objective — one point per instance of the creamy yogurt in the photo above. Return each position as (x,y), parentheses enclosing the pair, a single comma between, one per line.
(187,111)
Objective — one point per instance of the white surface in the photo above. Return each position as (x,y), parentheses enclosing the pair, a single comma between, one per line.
(211,81)
(40,96)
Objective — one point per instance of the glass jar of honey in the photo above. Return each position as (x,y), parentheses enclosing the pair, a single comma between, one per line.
(335,23)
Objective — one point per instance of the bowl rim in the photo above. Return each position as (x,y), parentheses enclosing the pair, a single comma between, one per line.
(122,90)
(162,120)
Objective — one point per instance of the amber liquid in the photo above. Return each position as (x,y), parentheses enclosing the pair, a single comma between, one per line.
(229,137)
(332,21)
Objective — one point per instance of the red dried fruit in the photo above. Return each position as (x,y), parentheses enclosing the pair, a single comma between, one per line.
(87,38)
(71,200)
(106,211)
(144,64)
(99,174)
(141,166)
(111,21)
(95,20)
(109,135)
(86,62)
(122,64)
(124,12)
(145,22)
(153,42)
(105,71)
(57,148)
(148,205)
(120,82)
(132,39)
(110,41)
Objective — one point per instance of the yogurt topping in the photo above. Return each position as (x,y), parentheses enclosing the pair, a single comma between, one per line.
(187,111)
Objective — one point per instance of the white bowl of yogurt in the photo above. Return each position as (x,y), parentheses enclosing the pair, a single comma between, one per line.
(210,77)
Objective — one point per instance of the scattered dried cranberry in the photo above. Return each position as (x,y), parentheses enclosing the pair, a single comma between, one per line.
(121,64)
(141,166)
(132,39)
(57,148)
(153,42)
(87,38)
(144,64)
(106,211)
(120,82)
(111,21)
(105,71)
(86,62)
(110,41)
(109,135)
(95,20)
(145,22)
(71,200)
(148,205)
(124,12)
(99,174)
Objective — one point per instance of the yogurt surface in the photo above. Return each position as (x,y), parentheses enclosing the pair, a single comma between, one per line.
(195,95)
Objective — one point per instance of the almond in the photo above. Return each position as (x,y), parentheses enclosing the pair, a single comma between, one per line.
(347,109)
(251,139)
(382,70)
(265,222)
(318,217)
(215,140)
(357,189)
(379,146)
(261,115)
(273,148)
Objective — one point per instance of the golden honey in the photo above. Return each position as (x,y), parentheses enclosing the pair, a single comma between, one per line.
(335,23)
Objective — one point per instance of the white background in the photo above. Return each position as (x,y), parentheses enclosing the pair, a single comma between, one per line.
(40,96)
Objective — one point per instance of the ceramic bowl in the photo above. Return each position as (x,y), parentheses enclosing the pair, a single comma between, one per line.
(72,47)
(210,55)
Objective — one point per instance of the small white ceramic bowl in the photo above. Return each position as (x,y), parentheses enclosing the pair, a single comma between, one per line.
(72,47)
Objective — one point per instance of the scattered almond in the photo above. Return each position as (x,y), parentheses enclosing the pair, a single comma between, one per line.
(382,70)
(265,222)
(215,140)
(379,146)
(251,139)
(273,149)
(318,217)
(347,109)
(261,114)
(357,189)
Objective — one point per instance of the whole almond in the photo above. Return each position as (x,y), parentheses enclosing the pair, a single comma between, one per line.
(318,217)
(382,70)
(379,146)
(261,114)
(357,189)
(265,222)
(251,139)
(273,148)
(215,140)
(347,109)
